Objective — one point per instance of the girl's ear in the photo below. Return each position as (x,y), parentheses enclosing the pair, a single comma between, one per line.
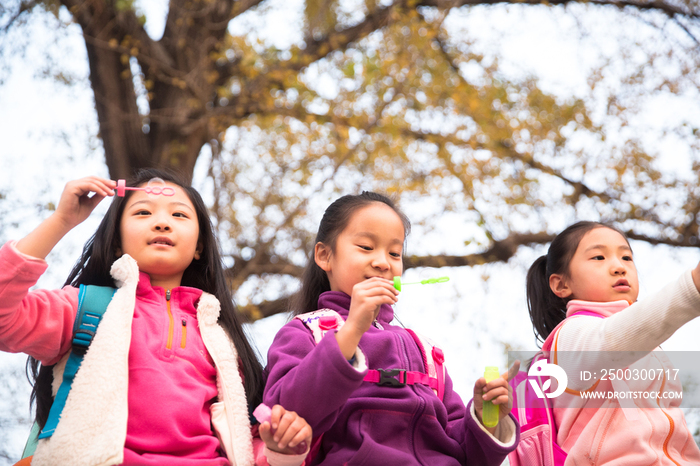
(198,251)
(559,285)
(322,256)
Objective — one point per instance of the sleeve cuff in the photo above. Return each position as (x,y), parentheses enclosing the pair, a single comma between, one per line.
(359,361)
(13,247)
(505,430)
(688,286)
(280,459)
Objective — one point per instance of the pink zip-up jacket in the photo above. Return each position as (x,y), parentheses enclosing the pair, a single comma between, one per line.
(636,430)
(147,389)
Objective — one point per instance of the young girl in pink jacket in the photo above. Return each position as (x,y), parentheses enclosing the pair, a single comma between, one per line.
(582,298)
(169,377)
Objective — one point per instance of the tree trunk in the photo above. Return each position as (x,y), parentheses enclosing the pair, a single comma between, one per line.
(179,76)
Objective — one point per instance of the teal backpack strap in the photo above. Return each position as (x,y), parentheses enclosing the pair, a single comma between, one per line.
(30,446)
(92,303)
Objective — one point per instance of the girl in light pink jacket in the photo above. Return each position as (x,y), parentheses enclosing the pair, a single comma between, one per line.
(169,377)
(620,405)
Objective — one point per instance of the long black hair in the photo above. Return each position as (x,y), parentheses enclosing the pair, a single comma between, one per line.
(314,280)
(546,309)
(205,273)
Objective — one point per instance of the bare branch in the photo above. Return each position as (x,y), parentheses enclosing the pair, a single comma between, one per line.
(24,7)
(686,30)
(260,265)
(580,188)
(254,312)
(668,9)
(500,251)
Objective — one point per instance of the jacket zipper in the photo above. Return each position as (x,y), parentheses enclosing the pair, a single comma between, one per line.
(171,326)
(184,334)
(421,401)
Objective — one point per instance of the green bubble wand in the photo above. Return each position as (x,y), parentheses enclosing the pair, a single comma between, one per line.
(429,281)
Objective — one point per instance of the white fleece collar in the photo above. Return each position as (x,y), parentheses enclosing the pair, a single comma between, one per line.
(230,384)
(92,429)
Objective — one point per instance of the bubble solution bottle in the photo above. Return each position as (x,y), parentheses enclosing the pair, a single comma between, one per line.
(489,413)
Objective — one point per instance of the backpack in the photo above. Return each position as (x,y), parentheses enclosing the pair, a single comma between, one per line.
(538,430)
(324,320)
(92,304)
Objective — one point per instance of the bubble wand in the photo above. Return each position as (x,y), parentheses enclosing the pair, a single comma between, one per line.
(489,411)
(429,281)
(161,189)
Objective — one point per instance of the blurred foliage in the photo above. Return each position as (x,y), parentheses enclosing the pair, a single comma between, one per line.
(387,96)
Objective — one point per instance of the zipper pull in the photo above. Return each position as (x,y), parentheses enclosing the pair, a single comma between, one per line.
(167,295)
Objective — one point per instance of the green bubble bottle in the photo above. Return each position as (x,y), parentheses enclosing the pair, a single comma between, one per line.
(489,413)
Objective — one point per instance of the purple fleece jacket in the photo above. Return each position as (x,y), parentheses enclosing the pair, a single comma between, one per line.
(365,423)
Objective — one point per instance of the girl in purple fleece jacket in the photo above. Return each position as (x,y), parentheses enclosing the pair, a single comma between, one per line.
(357,253)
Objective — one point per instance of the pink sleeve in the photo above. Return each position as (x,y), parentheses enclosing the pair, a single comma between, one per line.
(38,323)
(259,452)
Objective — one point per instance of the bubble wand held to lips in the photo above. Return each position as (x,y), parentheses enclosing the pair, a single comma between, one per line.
(429,281)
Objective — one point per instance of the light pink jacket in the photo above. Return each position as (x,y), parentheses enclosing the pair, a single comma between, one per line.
(638,431)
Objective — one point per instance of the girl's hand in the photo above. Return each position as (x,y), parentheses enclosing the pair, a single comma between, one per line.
(497,391)
(73,208)
(287,432)
(76,204)
(366,301)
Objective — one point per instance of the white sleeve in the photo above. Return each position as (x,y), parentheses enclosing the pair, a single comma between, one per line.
(504,436)
(633,332)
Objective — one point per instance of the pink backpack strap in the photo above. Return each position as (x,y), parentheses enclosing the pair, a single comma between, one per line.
(323,320)
(433,360)
(538,430)
(549,342)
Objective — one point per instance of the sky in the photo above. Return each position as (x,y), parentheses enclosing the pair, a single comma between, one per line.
(472,317)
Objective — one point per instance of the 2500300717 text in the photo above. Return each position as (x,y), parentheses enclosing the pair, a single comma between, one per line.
(632,374)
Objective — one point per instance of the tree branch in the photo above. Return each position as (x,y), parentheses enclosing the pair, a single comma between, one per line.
(23,8)
(580,188)
(668,9)
(500,251)
(253,312)
(260,265)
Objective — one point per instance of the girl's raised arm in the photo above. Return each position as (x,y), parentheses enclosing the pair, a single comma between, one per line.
(74,207)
